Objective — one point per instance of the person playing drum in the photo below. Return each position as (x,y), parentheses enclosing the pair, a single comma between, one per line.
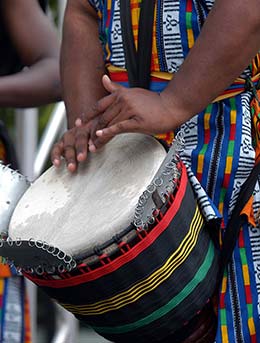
(205,75)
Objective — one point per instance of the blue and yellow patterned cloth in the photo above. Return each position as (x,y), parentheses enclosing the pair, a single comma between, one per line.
(220,145)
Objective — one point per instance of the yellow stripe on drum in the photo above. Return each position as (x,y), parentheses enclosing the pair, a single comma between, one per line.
(152,282)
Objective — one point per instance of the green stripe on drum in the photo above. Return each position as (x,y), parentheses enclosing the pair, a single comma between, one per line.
(199,277)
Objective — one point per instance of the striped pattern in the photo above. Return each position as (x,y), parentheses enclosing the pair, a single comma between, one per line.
(133,297)
(222,311)
(246,279)
(165,279)
(135,11)
(150,283)
(188,22)
(171,305)
(15,319)
(220,153)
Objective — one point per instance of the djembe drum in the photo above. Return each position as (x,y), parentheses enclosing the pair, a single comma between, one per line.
(121,244)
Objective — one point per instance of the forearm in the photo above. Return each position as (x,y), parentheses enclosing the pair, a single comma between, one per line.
(32,87)
(224,48)
(82,64)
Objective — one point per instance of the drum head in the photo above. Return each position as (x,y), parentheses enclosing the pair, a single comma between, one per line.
(76,212)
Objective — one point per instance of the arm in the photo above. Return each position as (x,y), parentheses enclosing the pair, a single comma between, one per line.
(224,48)
(222,51)
(37,45)
(82,68)
(82,64)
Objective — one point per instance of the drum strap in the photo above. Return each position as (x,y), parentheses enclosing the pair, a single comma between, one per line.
(237,219)
(138,62)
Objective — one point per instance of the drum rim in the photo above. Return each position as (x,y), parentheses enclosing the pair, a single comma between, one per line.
(150,139)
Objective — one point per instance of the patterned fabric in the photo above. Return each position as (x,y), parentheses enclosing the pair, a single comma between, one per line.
(14,313)
(220,151)
(14,305)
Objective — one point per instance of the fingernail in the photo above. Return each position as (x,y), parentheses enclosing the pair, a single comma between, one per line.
(92,148)
(78,122)
(99,133)
(71,167)
(81,157)
(56,162)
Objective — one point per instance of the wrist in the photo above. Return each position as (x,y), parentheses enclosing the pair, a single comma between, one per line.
(175,108)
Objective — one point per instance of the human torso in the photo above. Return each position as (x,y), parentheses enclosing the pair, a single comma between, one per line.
(216,158)
(219,144)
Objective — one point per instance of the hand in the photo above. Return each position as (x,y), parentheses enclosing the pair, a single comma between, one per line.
(73,146)
(127,110)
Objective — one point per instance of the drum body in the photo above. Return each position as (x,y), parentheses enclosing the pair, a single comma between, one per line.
(135,280)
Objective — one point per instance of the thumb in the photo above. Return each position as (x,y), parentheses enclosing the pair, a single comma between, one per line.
(109,85)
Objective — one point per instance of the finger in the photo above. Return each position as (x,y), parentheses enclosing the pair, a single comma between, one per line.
(70,150)
(80,120)
(112,114)
(129,125)
(99,143)
(93,129)
(56,153)
(109,85)
(97,108)
(81,143)
(91,146)
(70,157)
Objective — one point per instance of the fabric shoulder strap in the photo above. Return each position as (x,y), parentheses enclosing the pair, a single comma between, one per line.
(138,62)
(236,220)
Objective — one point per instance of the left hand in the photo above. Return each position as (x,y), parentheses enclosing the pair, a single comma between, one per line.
(72,146)
(128,110)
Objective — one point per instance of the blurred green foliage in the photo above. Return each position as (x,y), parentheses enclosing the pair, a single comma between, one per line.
(54,9)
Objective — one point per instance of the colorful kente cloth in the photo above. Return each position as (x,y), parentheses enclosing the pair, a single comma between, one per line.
(14,304)
(220,150)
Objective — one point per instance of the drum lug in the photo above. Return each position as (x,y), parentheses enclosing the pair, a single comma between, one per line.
(163,184)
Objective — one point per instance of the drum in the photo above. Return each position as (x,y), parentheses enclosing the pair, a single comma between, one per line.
(121,244)
(12,187)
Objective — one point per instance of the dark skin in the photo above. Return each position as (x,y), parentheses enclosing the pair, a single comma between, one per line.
(108,109)
(37,45)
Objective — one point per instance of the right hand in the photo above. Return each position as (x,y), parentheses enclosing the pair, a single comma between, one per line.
(130,110)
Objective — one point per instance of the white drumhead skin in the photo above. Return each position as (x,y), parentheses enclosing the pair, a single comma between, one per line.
(75,212)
